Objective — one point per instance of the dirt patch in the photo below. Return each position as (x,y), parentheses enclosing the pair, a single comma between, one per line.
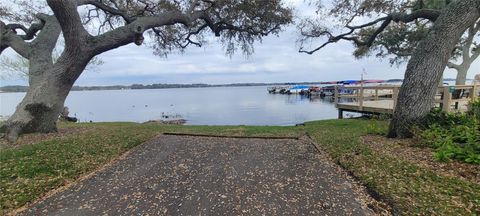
(33,138)
(407,149)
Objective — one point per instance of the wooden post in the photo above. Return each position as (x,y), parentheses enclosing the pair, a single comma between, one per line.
(336,95)
(395,97)
(340,114)
(360,98)
(446,99)
(376,94)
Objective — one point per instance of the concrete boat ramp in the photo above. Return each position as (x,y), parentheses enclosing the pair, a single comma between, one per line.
(191,175)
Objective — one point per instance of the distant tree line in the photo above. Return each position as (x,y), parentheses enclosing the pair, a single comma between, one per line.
(14,88)
(18,88)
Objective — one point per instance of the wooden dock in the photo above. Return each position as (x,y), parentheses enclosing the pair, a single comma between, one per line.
(382,99)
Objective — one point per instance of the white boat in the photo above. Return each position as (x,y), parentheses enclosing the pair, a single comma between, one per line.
(298,89)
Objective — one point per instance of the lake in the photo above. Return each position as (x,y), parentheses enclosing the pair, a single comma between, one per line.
(199,106)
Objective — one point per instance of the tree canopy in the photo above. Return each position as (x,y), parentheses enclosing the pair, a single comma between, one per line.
(387,27)
(171,24)
(383,38)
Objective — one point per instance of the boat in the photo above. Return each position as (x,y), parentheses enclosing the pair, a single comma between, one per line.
(299,89)
(330,90)
(277,89)
(272,90)
(315,91)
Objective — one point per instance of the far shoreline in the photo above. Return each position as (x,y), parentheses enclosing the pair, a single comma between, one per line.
(23,89)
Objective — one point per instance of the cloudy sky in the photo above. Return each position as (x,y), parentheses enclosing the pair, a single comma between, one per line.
(275,60)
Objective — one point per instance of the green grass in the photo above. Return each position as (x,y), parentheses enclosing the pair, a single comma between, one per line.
(410,189)
(30,171)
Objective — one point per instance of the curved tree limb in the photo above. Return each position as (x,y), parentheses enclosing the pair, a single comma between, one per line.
(8,38)
(30,32)
(476,53)
(126,34)
(73,31)
(192,33)
(98,4)
(468,43)
(47,39)
(452,65)
(428,14)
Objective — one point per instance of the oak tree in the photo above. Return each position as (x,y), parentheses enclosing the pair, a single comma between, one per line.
(398,41)
(429,58)
(169,25)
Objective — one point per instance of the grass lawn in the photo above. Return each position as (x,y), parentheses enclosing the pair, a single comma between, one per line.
(30,171)
(411,189)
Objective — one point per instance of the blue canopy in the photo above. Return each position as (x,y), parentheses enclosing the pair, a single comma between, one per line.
(350,81)
(300,87)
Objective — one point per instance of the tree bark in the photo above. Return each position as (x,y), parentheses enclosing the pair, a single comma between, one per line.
(462,72)
(468,57)
(38,111)
(425,68)
(461,79)
(45,98)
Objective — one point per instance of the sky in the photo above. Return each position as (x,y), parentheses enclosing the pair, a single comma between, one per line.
(276,59)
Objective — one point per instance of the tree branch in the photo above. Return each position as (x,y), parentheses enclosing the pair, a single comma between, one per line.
(107,9)
(431,15)
(428,14)
(73,31)
(8,38)
(471,33)
(47,38)
(127,34)
(452,65)
(476,53)
(32,31)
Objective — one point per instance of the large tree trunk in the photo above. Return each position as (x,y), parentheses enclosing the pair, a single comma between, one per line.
(425,69)
(39,109)
(41,106)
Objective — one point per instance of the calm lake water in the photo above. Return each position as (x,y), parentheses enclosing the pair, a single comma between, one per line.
(199,106)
